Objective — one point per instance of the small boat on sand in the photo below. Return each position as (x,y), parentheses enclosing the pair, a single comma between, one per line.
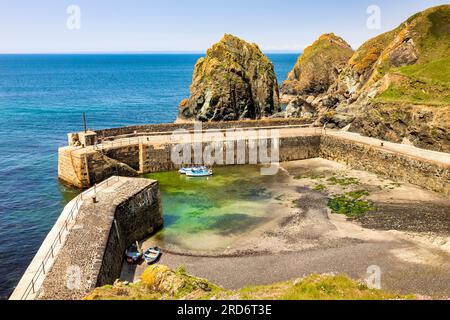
(133,254)
(152,255)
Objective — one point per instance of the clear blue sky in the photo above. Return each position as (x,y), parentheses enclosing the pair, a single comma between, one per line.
(29,26)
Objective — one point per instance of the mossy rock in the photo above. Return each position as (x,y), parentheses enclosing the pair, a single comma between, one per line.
(319,66)
(234,81)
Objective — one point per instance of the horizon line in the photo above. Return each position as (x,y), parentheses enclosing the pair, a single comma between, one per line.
(136,52)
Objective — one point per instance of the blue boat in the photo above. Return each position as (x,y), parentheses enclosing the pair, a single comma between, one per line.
(152,255)
(133,254)
(186,170)
(199,173)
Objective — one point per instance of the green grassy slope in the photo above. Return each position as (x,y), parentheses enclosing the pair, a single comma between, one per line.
(160,283)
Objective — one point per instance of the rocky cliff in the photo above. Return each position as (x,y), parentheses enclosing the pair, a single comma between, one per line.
(234,81)
(318,67)
(396,86)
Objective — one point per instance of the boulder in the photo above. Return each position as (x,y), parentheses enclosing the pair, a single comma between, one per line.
(297,108)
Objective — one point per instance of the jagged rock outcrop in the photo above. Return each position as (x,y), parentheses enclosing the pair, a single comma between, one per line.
(396,85)
(318,67)
(234,81)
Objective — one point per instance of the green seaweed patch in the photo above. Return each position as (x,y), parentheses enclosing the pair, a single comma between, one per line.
(320,187)
(345,182)
(357,194)
(312,177)
(351,204)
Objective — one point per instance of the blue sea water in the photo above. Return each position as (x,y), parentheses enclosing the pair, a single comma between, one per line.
(42,98)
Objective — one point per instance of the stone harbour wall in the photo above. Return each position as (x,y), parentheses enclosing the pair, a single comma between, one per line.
(72,169)
(127,210)
(159,158)
(431,175)
(136,158)
(135,219)
(132,131)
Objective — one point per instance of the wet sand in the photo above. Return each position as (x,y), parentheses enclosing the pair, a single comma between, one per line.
(407,236)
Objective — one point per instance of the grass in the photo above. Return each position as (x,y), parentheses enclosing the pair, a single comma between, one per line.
(318,287)
(427,81)
(427,84)
(158,280)
(437,72)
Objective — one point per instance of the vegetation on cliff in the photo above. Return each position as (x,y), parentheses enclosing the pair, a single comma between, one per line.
(319,66)
(396,85)
(412,59)
(160,283)
(234,81)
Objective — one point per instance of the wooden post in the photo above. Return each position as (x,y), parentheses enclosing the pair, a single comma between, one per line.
(94,199)
(138,247)
(84,122)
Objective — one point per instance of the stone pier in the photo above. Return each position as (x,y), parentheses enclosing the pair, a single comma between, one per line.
(88,251)
(149,151)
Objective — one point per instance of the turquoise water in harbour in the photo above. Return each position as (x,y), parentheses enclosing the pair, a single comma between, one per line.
(42,98)
(205,215)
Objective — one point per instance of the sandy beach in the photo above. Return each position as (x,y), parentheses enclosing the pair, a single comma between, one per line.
(308,238)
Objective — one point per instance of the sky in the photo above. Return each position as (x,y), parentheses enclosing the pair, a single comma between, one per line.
(45,26)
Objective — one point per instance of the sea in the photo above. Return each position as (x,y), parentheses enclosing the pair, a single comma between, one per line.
(42,98)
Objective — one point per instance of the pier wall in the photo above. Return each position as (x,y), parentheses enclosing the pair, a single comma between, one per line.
(73,169)
(431,175)
(131,157)
(133,131)
(91,249)
(157,158)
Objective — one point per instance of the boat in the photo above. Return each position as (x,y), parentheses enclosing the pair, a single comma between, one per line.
(152,255)
(199,173)
(133,254)
(186,170)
